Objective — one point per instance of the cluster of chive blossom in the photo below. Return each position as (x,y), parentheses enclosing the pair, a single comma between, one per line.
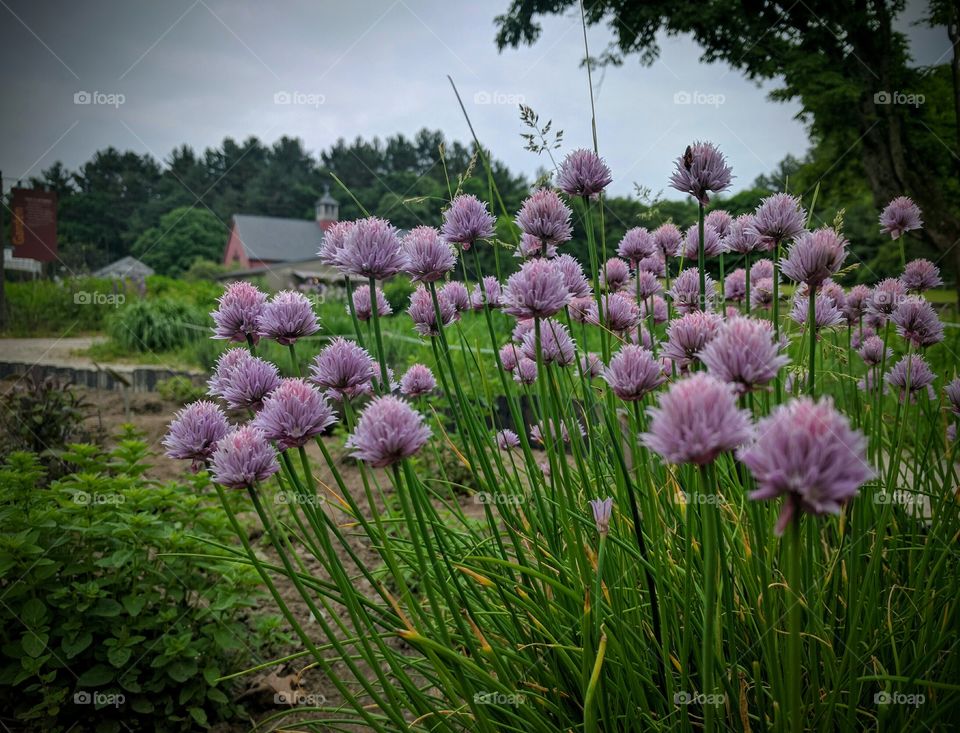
(735,285)
(363,306)
(814,257)
(636,245)
(343,370)
(424,314)
(242,380)
(583,173)
(293,413)
(884,299)
(741,237)
(545,216)
(712,242)
(487,293)
(288,317)
(371,249)
(388,431)
(920,275)
(899,217)
(744,354)
(195,432)
(530,246)
(633,373)
(806,452)
(614,275)
(427,258)
(701,170)
(688,335)
(778,219)
(825,314)
(238,312)
(556,345)
(602,510)
(911,375)
(467,221)
(537,290)
(685,292)
(618,313)
(917,322)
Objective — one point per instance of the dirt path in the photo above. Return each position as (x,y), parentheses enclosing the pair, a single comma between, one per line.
(51,351)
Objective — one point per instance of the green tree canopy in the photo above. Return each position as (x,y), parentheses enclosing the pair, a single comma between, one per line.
(181,237)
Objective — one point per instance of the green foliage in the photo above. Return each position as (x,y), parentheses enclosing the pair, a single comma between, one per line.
(155,325)
(181,237)
(114,622)
(43,416)
(397,292)
(180,389)
(72,307)
(204,269)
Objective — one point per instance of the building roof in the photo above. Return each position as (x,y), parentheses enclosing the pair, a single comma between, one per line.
(303,269)
(125,267)
(274,239)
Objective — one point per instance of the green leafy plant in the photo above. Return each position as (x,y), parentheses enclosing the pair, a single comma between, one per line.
(180,389)
(155,325)
(110,618)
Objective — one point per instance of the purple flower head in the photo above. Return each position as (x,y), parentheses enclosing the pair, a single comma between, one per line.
(744,354)
(952,433)
(719,220)
(293,414)
(668,239)
(573,277)
(654,264)
(633,373)
(537,433)
(455,292)
(871,351)
(507,440)
(486,292)
(834,291)
(372,249)
(911,371)
(388,431)
(886,296)
(920,275)
(685,292)
(688,335)
(246,382)
(226,362)
(735,285)
(855,304)
(917,322)
(556,346)
(509,356)
(712,242)
(779,218)
(362,306)
(426,257)
(614,274)
(636,244)
(659,310)
(900,216)
(860,335)
(740,237)
(762,294)
(243,458)
(424,314)
(620,314)
(287,317)
(826,313)
(697,420)
(581,308)
(815,256)
(466,221)
(874,321)
(194,433)
(530,246)
(333,240)
(700,170)
(583,173)
(760,270)
(238,312)
(640,336)
(591,365)
(952,391)
(523,327)
(418,380)
(647,285)
(538,290)
(526,371)
(343,370)
(807,452)
(602,509)
(544,216)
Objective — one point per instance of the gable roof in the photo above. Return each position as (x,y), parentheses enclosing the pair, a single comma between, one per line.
(274,239)
(125,267)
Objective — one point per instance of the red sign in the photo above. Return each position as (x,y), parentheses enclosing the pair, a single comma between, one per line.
(34,226)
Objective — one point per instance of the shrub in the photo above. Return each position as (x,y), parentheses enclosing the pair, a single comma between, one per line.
(155,325)
(180,389)
(110,619)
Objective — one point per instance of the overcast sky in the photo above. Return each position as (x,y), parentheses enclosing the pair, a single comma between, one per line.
(196,71)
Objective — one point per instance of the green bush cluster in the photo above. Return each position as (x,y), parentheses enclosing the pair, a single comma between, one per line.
(111,620)
(155,325)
